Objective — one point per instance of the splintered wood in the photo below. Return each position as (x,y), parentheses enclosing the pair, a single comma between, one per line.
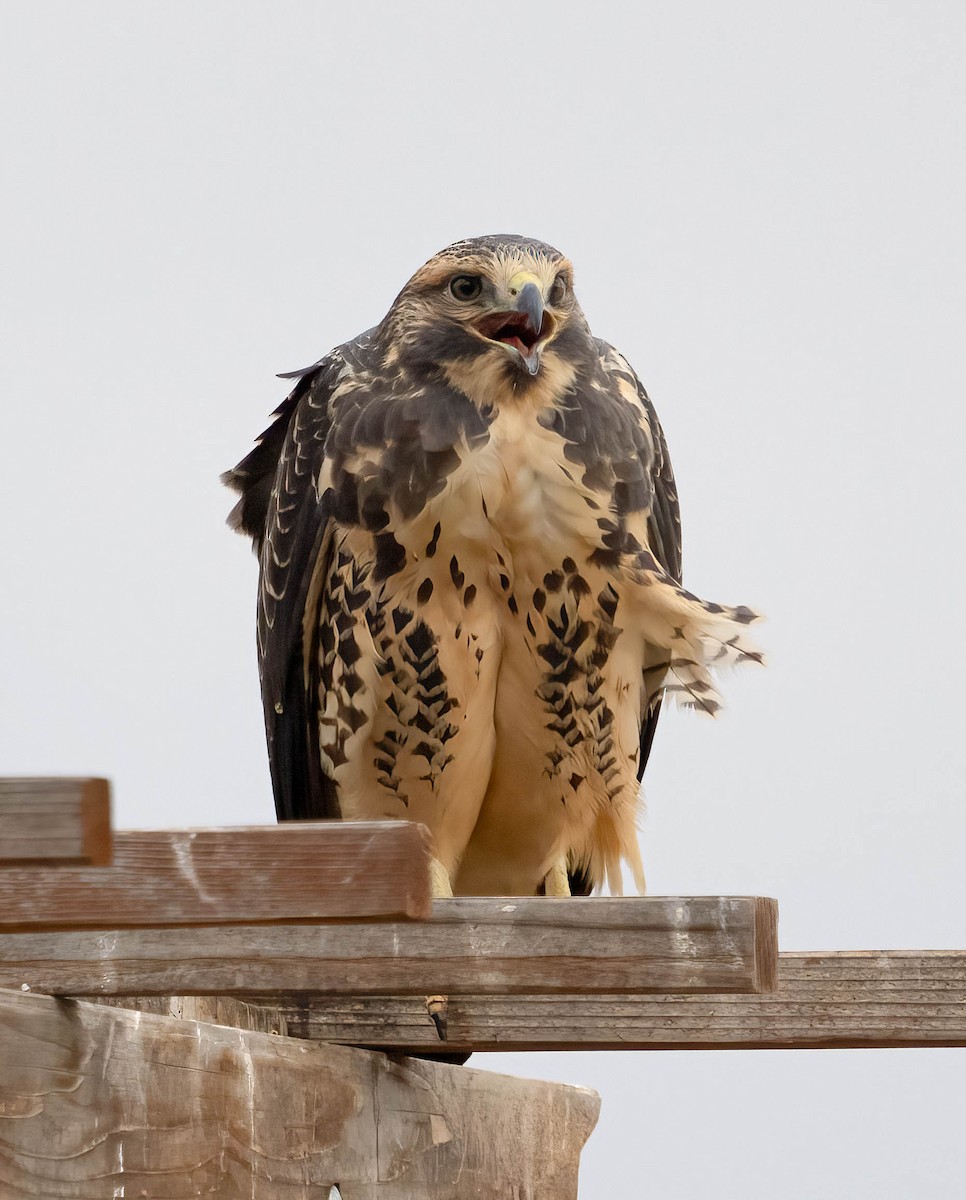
(55,822)
(98,1102)
(297,871)
(468,946)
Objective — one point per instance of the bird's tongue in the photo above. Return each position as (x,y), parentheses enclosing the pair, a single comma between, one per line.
(529,354)
(514,329)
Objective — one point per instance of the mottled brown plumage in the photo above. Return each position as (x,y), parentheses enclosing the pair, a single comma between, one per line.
(470,601)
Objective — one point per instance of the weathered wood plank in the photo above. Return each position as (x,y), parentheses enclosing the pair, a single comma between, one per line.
(97,1102)
(57,822)
(840,999)
(469,945)
(212,1010)
(296,871)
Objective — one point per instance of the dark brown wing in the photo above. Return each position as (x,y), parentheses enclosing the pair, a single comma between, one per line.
(664,532)
(288,523)
(646,478)
(664,517)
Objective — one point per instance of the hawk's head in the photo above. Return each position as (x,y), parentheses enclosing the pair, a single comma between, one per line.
(504,297)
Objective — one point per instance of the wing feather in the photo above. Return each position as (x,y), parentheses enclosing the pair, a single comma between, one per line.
(289,524)
(663,519)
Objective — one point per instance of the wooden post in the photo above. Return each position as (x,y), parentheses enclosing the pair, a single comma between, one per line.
(98,1102)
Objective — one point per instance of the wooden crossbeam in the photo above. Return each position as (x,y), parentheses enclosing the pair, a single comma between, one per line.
(98,1102)
(56,822)
(841,999)
(296,871)
(468,946)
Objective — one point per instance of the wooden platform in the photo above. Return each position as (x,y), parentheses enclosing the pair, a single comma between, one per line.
(841,1000)
(470,946)
(300,871)
(239,970)
(332,908)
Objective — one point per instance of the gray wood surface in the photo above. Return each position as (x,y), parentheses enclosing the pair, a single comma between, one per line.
(55,822)
(97,1102)
(213,1010)
(468,946)
(840,999)
(295,871)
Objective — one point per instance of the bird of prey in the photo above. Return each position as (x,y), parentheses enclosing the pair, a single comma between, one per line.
(470,601)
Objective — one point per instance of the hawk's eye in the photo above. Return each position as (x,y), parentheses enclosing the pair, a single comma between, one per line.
(466,287)
(558,292)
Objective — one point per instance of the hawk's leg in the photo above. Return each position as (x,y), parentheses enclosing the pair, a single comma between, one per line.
(440,885)
(556,881)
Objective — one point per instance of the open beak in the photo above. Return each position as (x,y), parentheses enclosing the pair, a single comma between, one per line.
(524,327)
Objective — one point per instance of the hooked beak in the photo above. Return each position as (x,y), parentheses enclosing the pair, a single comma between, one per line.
(530,303)
(525,327)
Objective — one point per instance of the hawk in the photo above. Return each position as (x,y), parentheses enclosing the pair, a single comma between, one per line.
(470,604)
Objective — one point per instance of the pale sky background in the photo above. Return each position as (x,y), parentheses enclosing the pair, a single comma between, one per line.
(765,205)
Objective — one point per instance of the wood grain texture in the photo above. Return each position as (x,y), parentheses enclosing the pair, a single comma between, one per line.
(97,1102)
(212,1010)
(842,999)
(56,822)
(468,946)
(297,871)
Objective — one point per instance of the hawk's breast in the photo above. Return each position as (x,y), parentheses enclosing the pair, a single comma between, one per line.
(565,707)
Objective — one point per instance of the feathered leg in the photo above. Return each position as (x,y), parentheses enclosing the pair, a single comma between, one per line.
(557,882)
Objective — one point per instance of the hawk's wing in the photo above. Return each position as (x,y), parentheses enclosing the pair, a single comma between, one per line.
(664,527)
(282,511)
(663,534)
(664,517)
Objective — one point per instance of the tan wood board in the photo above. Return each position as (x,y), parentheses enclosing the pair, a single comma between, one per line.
(296,871)
(56,822)
(840,999)
(97,1102)
(468,946)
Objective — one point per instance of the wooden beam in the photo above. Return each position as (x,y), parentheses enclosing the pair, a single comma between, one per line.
(841,1000)
(296,871)
(56,822)
(212,1010)
(469,945)
(98,1102)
